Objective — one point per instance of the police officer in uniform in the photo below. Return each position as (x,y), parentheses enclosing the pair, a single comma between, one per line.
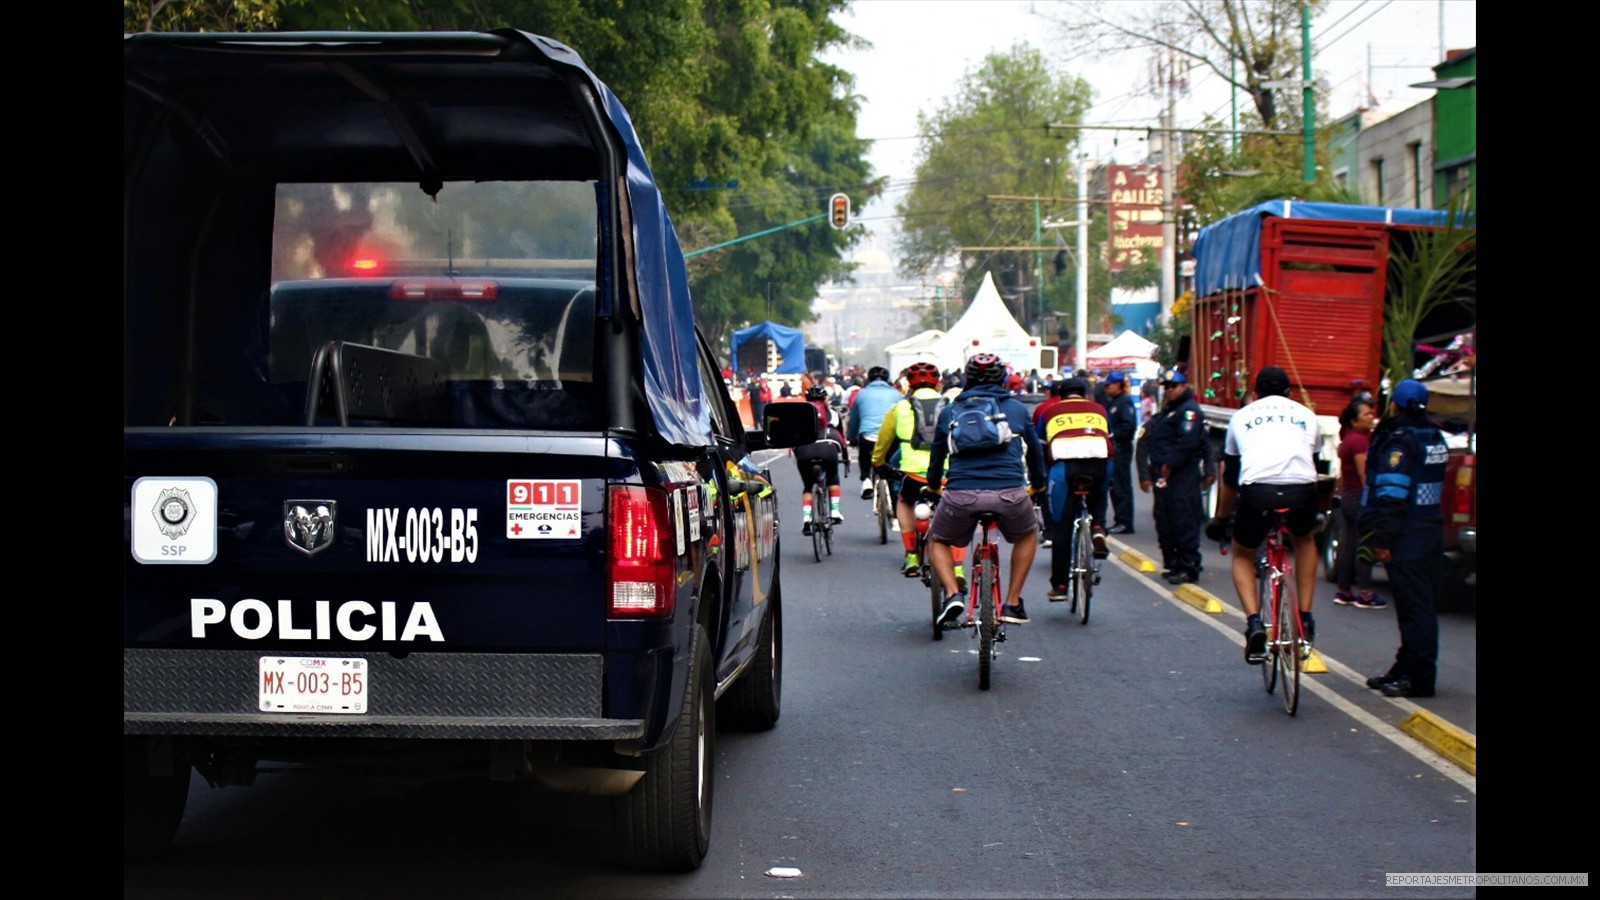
(1402,527)
(1169,457)
(1124,420)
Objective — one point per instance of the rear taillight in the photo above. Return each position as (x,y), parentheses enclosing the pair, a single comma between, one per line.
(1461,509)
(641,553)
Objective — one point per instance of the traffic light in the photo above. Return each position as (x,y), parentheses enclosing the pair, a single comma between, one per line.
(839,211)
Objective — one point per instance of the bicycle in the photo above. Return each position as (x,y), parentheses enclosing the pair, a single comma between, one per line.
(985,598)
(1276,592)
(930,580)
(882,505)
(821,519)
(1085,568)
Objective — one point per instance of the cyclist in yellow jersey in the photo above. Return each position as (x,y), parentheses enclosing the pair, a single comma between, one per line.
(909,425)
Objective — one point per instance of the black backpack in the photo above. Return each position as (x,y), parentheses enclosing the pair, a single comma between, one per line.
(925,418)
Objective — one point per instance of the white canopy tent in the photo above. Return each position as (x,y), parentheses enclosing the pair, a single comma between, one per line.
(1125,351)
(923,346)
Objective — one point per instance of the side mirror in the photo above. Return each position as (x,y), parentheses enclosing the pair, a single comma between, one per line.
(789,424)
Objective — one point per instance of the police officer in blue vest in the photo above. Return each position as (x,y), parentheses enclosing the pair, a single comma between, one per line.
(1402,527)
(1169,457)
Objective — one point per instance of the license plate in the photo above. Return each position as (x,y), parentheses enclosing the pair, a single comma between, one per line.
(314,684)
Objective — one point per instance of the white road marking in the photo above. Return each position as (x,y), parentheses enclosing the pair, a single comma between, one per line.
(1379,727)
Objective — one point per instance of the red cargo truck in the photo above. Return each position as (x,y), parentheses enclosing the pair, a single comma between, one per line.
(1302,286)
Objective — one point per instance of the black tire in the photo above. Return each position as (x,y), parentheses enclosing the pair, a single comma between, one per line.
(883,505)
(1083,570)
(1268,610)
(152,805)
(756,699)
(1329,540)
(1289,641)
(664,823)
(987,623)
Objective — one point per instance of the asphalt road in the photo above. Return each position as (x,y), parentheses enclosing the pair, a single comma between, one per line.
(1135,756)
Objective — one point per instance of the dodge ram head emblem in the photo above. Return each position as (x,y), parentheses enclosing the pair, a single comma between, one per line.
(308,524)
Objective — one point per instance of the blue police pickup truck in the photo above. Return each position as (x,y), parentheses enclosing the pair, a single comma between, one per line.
(427,469)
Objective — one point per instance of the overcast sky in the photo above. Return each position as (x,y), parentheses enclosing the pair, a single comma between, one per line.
(923,48)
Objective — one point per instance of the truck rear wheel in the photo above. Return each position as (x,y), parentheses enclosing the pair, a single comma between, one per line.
(664,823)
(152,804)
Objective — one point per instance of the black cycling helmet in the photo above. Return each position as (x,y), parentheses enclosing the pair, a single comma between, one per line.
(878,373)
(922,374)
(1067,387)
(985,368)
(816,392)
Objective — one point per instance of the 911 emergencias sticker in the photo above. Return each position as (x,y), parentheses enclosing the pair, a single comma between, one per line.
(544,509)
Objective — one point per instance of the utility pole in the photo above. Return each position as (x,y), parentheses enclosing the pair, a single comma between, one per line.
(1169,179)
(1308,97)
(1081,338)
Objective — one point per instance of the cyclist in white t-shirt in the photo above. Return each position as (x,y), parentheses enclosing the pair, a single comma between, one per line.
(1269,459)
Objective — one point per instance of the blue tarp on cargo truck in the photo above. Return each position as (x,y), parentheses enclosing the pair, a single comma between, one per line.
(1228,253)
(791,343)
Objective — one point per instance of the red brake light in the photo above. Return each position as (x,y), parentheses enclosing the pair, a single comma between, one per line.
(642,554)
(444,289)
(1461,510)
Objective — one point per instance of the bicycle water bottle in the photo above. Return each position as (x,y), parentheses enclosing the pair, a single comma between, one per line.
(924,512)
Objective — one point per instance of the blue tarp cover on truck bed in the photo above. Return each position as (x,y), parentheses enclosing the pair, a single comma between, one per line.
(791,345)
(1228,253)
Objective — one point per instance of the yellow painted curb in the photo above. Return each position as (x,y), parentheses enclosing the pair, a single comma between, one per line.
(1198,598)
(1313,664)
(1137,560)
(1446,740)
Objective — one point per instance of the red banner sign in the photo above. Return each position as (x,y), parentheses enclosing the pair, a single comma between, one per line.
(1136,200)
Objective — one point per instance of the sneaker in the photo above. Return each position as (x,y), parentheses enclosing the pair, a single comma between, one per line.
(1099,538)
(866,490)
(1308,628)
(1016,615)
(1370,600)
(836,516)
(1377,682)
(950,616)
(1046,543)
(805,528)
(1401,686)
(1344,598)
(1057,594)
(1255,641)
(913,566)
(894,525)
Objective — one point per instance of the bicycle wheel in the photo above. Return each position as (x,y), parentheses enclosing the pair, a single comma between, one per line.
(984,588)
(882,505)
(1072,579)
(1289,639)
(1267,605)
(1083,567)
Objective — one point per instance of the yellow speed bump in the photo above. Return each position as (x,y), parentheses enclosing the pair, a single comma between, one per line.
(1198,598)
(1313,664)
(1446,739)
(1137,560)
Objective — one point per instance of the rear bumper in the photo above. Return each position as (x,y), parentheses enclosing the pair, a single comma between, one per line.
(475,696)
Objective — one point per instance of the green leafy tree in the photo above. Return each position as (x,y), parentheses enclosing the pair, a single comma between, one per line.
(989,141)
(744,126)
(1428,269)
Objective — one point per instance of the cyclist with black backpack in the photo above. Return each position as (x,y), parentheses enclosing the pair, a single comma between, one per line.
(912,425)
(995,465)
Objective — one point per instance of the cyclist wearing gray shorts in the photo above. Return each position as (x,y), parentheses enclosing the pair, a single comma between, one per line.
(1001,480)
